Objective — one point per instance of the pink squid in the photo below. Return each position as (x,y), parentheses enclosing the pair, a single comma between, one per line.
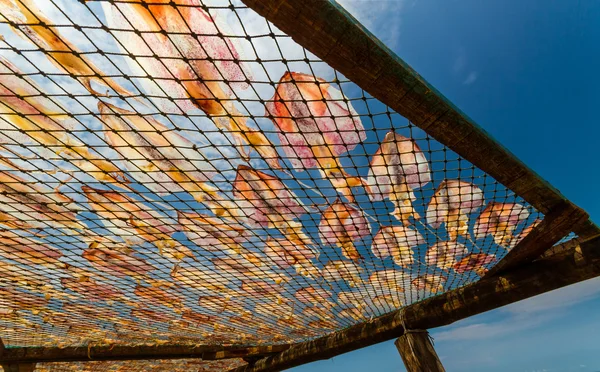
(475,262)
(213,234)
(292,253)
(193,63)
(29,251)
(117,264)
(500,220)
(267,202)
(451,204)
(397,242)
(444,254)
(341,225)
(316,127)
(397,168)
(135,222)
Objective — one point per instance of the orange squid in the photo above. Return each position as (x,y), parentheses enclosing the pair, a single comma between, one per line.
(315,127)
(163,161)
(397,242)
(500,220)
(135,222)
(341,225)
(31,25)
(48,124)
(267,202)
(28,202)
(397,168)
(29,251)
(292,253)
(117,264)
(213,234)
(451,204)
(190,70)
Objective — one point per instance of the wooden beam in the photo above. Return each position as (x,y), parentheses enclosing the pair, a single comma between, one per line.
(587,230)
(18,367)
(120,352)
(417,352)
(567,267)
(555,225)
(332,34)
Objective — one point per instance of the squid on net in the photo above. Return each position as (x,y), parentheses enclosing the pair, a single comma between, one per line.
(117,264)
(193,64)
(135,222)
(516,239)
(241,268)
(313,296)
(91,290)
(159,295)
(444,254)
(267,202)
(475,262)
(387,301)
(12,299)
(28,202)
(397,242)
(156,156)
(213,234)
(339,270)
(278,310)
(315,127)
(341,225)
(29,251)
(433,283)
(393,281)
(451,204)
(30,23)
(15,276)
(292,253)
(220,304)
(261,289)
(202,279)
(47,124)
(500,220)
(397,168)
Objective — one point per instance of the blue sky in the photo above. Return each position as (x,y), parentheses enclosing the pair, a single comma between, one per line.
(526,71)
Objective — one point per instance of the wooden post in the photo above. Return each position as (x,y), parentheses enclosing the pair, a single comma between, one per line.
(19,367)
(417,352)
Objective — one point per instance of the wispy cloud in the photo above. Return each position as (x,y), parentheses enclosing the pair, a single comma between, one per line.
(460,67)
(524,315)
(459,61)
(381,17)
(471,78)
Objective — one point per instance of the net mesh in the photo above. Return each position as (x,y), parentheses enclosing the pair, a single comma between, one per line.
(181,171)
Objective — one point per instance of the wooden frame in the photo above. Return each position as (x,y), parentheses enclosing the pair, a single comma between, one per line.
(120,352)
(575,264)
(329,32)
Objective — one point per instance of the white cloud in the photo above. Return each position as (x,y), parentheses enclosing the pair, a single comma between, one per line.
(460,61)
(471,78)
(381,17)
(522,315)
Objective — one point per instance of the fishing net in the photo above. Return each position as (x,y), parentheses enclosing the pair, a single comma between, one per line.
(182,171)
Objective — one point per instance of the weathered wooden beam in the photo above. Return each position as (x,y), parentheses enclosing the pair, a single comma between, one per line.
(332,34)
(120,352)
(587,230)
(18,367)
(418,353)
(577,264)
(555,225)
